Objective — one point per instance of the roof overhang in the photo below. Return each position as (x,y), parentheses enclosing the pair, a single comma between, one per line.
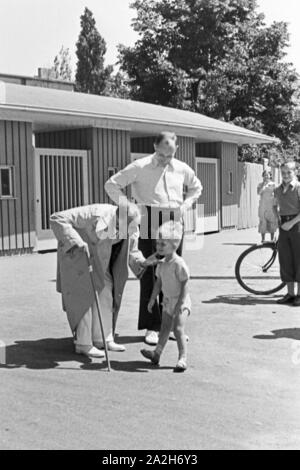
(55,109)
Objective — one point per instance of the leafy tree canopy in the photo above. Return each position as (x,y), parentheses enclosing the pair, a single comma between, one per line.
(216,57)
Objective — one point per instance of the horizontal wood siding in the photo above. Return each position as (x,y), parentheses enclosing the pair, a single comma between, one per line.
(17,215)
(229,202)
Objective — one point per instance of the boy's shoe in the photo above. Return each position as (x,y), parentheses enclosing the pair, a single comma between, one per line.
(287,299)
(181,366)
(151,337)
(296,302)
(89,351)
(151,355)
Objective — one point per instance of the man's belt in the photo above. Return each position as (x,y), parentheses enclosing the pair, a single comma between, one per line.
(287,218)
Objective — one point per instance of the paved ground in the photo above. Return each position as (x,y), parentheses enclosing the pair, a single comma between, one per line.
(241,390)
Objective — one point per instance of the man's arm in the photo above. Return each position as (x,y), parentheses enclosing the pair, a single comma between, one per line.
(136,258)
(120,180)
(290,224)
(63,225)
(194,188)
(275,207)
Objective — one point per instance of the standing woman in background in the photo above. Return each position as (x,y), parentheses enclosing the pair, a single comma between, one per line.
(268,220)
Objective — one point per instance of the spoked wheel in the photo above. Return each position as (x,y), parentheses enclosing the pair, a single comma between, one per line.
(257,269)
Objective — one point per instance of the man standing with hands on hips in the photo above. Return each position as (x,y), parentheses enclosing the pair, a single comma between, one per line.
(158,182)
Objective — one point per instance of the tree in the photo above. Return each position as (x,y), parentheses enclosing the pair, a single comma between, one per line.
(62,65)
(117,86)
(214,57)
(91,74)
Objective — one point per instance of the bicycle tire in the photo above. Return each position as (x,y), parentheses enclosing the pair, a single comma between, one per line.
(243,284)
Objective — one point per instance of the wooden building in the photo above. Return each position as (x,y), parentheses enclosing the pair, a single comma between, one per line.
(57,149)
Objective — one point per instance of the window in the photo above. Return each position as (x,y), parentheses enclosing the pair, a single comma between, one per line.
(6,182)
(112,170)
(230,182)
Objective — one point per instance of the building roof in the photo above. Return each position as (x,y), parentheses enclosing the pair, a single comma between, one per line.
(24,79)
(51,109)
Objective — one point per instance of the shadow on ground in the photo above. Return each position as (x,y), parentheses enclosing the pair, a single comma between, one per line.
(129,339)
(124,366)
(51,353)
(239,244)
(46,353)
(288,333)
(241,300)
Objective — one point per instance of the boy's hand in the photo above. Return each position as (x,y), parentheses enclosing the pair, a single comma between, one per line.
(151,261)
(287,225)
(150,305)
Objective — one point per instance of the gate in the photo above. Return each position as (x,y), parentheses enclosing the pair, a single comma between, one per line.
(208,207)
(61,183)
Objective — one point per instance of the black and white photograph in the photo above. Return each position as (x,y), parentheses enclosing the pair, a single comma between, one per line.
(149,228)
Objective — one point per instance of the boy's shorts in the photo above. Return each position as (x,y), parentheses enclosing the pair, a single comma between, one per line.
(169,304)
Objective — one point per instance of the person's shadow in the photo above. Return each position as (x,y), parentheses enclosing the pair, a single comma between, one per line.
(288,333)
(241,300)
(125,366)
(50,353)
(46,353)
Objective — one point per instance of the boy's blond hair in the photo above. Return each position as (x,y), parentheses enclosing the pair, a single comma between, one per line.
(291,165)
(171,231)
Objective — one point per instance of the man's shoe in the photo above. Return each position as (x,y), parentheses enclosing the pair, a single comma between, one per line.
(151,337)
(296,302)
(111,346)
(287,299)
(89,351)
(151,355)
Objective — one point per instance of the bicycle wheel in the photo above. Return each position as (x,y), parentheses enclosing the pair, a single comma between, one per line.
(257,270)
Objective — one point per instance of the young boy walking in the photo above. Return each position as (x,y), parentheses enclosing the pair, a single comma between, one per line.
(172,279)
(287,203)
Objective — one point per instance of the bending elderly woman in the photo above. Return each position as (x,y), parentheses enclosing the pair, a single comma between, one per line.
(110,238)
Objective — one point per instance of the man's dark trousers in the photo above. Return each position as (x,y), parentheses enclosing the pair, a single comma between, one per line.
(289,254)
(151,321)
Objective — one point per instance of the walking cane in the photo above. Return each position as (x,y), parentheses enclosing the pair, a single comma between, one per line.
(98,309)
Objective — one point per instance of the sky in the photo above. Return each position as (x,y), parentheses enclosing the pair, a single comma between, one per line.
(33,31)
